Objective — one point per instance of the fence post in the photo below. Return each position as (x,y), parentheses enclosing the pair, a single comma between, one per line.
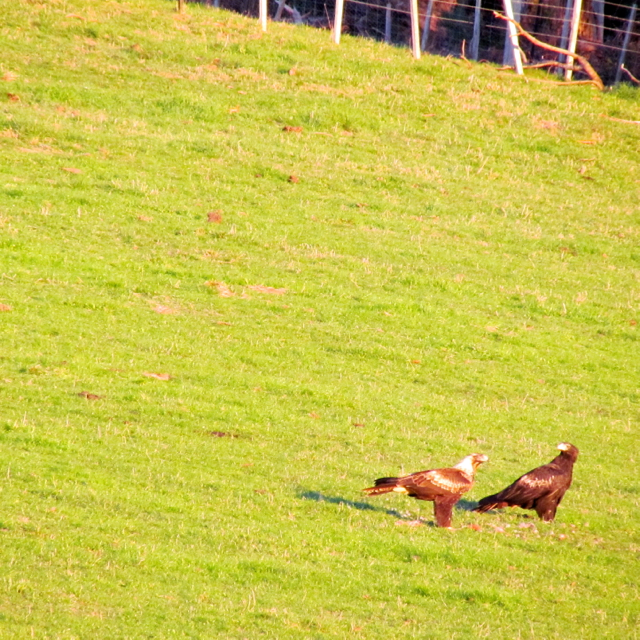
(508,58)
(513,38)
(598,10)
(262,10)
(573,38)
(564,36)
(625,44)
(475,41)
(427,26)
(337,22)
(387,24)
(415,29)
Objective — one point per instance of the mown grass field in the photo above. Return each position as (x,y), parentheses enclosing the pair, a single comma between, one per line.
(353,265)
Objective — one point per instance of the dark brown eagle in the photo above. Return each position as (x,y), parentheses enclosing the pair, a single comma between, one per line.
(541,489)
(444,487)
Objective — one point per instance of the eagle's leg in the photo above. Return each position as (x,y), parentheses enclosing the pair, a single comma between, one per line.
(546,508)
(443,510)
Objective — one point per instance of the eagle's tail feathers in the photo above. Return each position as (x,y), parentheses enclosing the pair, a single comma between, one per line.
(382,485)
(488,503)
(384,481)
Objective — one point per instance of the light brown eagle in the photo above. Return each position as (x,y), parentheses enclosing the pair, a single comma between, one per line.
(444,487)
(541,489)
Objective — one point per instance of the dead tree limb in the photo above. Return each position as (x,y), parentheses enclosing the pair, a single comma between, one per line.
(463,56)
(296,16)
(549,63)
(279,11)
(584,63)
(621,119)
(631,76)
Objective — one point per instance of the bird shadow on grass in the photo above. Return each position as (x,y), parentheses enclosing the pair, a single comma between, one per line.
(316,496)
(466,505)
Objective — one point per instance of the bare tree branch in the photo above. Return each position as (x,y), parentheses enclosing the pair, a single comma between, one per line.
(463,56)
(631,76)
(584,63)
(550,63)
(621,120)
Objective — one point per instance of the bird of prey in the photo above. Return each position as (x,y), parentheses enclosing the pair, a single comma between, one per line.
(541,489)
(444,487)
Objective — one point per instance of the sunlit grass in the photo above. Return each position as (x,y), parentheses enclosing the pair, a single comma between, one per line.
(408,261)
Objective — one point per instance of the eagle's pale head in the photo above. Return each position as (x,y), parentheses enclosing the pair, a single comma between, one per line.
(470,463)
(569,449)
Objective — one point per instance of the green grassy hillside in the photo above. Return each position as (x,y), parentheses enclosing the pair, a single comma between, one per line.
(243,275)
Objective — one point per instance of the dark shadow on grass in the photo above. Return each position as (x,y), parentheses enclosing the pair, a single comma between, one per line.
(316,496)
(521,515)
(466,505)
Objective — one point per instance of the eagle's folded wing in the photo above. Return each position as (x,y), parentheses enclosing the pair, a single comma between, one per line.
(529,486)
(436,482)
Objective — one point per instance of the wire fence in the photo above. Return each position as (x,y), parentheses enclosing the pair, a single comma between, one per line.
(607,32)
